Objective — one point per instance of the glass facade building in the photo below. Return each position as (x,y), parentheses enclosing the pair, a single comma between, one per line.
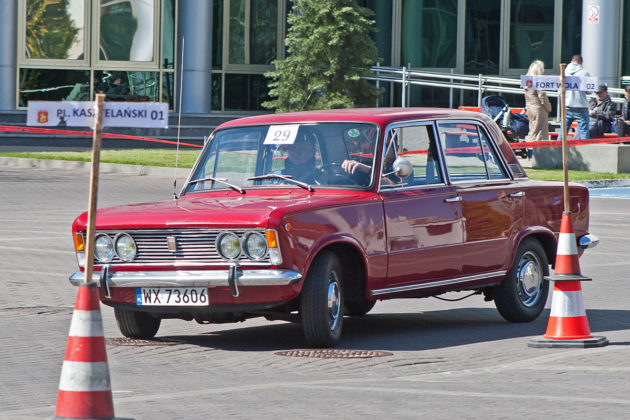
(130,49)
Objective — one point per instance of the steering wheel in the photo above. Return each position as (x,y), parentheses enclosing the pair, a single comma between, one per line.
(335,174)
(338,176)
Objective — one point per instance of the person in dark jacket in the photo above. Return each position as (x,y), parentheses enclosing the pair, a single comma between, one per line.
(622,125)
(300,161)
(601,112)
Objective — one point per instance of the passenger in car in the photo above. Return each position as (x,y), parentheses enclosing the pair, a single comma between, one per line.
(359,148)
(388,177)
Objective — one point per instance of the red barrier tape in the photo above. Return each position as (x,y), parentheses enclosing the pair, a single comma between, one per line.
(39,130)
(515,145)
(558,143)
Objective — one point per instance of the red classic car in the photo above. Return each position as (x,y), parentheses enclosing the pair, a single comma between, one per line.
(314,216)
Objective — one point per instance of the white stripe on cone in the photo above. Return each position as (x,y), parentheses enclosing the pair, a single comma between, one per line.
(86,324)
(567,244)
(84,376)
(565,304)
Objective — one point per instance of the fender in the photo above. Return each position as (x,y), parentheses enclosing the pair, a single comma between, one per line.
(550,236)
(333,239)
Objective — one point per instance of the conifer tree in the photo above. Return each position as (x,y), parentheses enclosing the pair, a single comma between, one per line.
(328,50)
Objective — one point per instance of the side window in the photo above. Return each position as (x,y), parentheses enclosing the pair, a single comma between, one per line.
(468,153)
(416,143)
(495,171)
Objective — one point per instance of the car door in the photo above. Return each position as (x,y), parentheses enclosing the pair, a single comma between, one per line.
(491,203)
(422,217)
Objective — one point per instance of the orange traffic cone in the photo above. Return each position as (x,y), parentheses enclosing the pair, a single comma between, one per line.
(568,325)
(84,386)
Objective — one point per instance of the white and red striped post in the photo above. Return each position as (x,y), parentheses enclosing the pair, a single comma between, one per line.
(84,387)
(568,325)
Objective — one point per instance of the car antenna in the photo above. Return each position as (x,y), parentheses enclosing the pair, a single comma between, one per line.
(179,119)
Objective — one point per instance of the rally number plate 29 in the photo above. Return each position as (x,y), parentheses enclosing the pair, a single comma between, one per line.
(172,296)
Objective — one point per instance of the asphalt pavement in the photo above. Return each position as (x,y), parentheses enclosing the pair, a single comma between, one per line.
(437,359)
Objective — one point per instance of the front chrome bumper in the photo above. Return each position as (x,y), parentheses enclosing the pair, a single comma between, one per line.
(193,278)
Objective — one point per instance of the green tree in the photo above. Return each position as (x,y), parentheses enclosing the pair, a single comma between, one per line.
(329,49)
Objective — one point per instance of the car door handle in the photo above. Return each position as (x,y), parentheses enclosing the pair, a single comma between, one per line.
(518,194)
(453,199)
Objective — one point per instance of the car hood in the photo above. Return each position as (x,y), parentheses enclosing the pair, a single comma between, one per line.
(221,209)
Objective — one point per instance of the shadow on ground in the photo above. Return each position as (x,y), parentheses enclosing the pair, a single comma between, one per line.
(398,331)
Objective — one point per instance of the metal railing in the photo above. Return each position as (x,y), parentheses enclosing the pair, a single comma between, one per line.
(407,77)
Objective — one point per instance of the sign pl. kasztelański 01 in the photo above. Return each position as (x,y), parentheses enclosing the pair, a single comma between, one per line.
(81,114)
(588,84)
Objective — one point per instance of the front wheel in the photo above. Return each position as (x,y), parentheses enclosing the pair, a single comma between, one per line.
(134,324)
(321,306)
(522,295)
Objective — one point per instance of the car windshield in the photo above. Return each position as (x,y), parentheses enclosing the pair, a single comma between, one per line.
(309,156)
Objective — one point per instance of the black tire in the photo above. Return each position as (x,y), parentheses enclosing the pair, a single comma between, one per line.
(321,306)
(522,295)
(134,324)
(359,307)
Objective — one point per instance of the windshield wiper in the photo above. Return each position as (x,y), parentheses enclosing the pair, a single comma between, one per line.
(284,177)
(222,181)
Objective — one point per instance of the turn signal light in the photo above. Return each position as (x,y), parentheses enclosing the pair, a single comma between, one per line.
(78,242)
(275,256)
(272,241)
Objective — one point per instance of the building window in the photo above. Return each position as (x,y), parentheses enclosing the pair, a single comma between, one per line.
(248,36)
(168,35)
(571,29)
(625,46)
(483,47)
(531,32)
(245,92)
(127,30)
(55,30)
(429,33)
(53,85)
(383,22)
(125,48)
(253,31)
(217,38)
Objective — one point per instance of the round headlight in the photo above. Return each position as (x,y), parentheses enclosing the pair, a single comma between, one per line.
(255,246)
(104,248)
(229,246)
(125,247)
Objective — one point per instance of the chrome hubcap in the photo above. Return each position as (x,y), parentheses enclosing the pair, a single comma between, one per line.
(530,279)
(334,302)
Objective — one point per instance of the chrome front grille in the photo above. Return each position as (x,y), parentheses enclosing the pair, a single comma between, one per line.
(191,246)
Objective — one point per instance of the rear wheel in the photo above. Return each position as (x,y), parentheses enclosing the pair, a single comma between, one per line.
(359,307)
(321,306)
(136,324)
(522,295)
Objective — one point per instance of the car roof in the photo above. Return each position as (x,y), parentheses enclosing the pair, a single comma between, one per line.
(380,116)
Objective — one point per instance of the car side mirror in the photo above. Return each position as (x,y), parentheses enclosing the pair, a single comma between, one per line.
(402,168)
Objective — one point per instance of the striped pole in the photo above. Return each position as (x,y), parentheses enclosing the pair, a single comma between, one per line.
(85,388)
(568,325)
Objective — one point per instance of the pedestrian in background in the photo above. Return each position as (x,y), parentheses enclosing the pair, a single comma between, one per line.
(576,101)
(622,125)
(538,106)
(601,112)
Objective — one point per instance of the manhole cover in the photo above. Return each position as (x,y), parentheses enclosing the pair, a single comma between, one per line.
(125,341)
(335,353)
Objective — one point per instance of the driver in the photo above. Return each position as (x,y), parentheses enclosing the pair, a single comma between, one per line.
(300,161)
